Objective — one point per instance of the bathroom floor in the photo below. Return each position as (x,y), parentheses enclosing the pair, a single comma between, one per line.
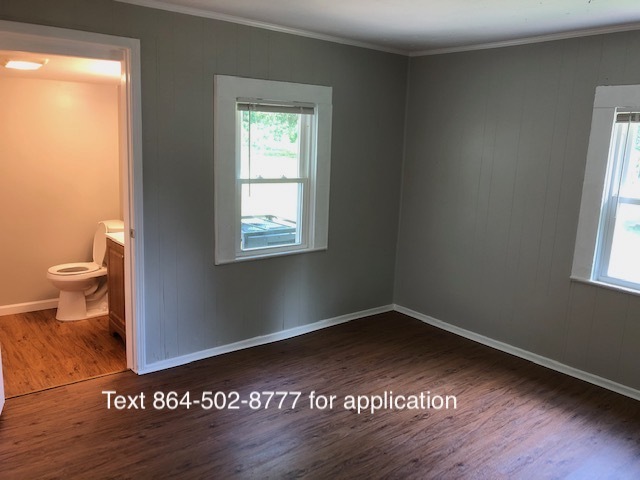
(39,352)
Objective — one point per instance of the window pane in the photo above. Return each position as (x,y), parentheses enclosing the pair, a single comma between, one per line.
(270,215)
(624,262)
(270,145)
(630,184)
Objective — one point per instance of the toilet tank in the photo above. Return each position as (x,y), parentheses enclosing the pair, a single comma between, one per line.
(100,239)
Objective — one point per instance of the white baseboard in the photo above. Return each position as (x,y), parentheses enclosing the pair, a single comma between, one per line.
(28,307)
(518,352)
(261,340)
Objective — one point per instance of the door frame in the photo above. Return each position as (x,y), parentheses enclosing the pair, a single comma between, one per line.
(61,41)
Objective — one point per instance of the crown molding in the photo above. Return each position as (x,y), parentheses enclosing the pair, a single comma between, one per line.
(528,40)
(199,12)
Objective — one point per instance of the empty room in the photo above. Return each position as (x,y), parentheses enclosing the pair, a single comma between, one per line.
(320,239)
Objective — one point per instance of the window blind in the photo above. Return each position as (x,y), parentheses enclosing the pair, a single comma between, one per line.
(254,105)
(628,117)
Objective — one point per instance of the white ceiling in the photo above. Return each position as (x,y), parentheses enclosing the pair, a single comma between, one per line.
(421,26)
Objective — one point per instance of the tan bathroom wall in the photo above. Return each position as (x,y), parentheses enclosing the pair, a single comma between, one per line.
(59,176)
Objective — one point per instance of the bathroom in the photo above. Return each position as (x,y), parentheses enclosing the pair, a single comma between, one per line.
(59,176)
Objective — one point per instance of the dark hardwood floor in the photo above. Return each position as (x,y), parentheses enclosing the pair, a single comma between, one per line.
(39,352)
(514,419)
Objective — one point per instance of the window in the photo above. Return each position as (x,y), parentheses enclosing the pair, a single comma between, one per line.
(274,173)
(271,166)
(618,246)
(608,242)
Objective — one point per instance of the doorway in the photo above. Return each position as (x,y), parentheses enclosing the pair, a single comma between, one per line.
(50,41)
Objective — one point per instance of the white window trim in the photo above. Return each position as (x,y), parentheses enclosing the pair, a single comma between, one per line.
(227,92)
(607,100)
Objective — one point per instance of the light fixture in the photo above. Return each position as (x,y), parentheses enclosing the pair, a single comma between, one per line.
(24,64)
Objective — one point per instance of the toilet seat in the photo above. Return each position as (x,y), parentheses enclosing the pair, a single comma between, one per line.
(70,269)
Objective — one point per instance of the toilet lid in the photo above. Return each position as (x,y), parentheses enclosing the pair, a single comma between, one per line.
(74,268)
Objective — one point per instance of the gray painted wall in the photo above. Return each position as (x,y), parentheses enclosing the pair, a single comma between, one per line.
(190,304)
(495,157)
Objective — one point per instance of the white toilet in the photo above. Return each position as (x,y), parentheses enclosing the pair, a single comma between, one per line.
(83,285)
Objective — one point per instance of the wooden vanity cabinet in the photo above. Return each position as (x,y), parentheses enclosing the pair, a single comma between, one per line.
(1,384)
(115,281)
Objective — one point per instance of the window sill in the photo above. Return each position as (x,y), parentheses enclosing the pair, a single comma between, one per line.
(262,256)
(608,286)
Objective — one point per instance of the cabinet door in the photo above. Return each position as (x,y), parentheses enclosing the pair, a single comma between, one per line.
(115,276)
(1,384)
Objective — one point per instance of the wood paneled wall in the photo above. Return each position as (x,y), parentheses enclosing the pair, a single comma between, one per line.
(495,158)
(495,155)
(190,304)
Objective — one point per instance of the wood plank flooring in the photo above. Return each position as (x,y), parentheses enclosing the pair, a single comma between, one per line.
(514,419)
(38,352)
